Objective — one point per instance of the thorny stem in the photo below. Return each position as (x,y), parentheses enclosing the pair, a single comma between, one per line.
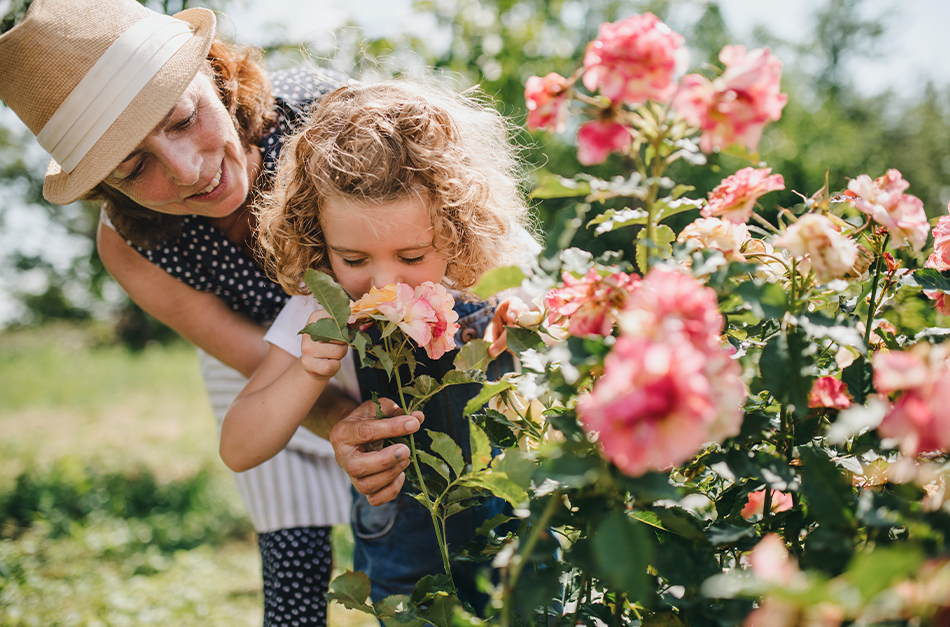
(518,562)
(429,505)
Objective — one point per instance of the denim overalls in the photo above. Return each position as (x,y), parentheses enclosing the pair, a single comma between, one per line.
(395,543)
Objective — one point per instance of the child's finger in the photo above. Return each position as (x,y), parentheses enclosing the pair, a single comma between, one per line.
(499,344)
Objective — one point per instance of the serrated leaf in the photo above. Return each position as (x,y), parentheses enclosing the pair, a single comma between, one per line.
(560,187)
(517,466)
(441,610)
(622,552)
(429,586)
(351,590)
(422,387)
(928,279)
(673,206)
(446,447)
(398,611)
(488,391)
(435,464)
(499,485)
(384,359)
(461,377)
(329,294)
(661,246)
(521,339)
(614,219)
(473,356)
(324,330)
(485,528)
(481,448)
(497,280)
(360,342)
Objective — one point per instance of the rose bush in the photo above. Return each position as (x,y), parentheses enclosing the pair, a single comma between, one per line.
(745,422)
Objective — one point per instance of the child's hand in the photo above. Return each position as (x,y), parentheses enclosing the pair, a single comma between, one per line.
(506,314)
(321,360)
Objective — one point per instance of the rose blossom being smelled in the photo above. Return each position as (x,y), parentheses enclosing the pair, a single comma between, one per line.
(832,255)
(735,197)
(546,99)
(635,60)
(734,107)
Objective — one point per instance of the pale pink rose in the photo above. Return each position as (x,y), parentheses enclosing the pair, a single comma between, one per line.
(736,106)
(723,236)
(940,299)
(668,303)
(444,322)
(940,258)
(829,392)
(599,138)
(546,99)
(756,503)
(920,416)
(734,198)
(634,60)
(832,255)
(589,305)
(771,562)
(667,388)
(885,202)
(650,405)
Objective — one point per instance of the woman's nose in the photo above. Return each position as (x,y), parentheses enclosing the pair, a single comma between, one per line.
(182,161)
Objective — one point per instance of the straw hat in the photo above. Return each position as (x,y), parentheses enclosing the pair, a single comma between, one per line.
(92,78)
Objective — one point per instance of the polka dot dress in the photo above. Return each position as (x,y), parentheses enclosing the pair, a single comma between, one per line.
(202,256)
(297,565)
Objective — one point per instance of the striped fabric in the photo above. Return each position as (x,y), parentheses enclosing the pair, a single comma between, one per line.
(297,488)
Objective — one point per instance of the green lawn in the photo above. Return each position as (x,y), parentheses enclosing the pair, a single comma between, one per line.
(114,506)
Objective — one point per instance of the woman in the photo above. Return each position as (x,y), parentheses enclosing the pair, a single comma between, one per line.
(176,132)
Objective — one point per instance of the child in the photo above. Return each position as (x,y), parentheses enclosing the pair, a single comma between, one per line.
(394,182)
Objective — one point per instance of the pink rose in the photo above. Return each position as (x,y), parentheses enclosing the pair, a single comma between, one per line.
(546,99)
(832,255)
(736,106)
(920,417)
(771,562)
(940,299)
(599,138)
(885,202)
(634,60)
(723,236)
(443,324)
(667,388)
(940,258)
(734,198)
(829,392)
(756,503)
(590,304)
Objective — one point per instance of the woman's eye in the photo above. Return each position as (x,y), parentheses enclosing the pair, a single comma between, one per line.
(136,172)
(188,122)
(414,260)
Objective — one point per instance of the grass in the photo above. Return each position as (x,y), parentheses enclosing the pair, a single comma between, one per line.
(114,506)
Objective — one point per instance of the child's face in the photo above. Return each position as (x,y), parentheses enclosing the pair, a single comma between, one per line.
(375,245)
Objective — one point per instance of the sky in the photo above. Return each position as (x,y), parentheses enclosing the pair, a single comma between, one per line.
(912,52)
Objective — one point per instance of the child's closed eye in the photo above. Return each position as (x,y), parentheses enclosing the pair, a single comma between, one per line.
(353,263)
(414,260)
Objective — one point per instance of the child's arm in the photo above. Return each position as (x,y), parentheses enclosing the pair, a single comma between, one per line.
(265,415)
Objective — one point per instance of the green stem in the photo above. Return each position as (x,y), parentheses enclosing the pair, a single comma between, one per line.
(518,563)
(872,302)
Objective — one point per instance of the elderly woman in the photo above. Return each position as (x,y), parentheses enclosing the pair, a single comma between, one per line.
(176,132)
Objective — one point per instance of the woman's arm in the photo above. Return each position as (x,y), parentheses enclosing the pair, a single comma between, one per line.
(200,317)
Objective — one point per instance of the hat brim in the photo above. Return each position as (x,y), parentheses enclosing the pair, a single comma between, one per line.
(143,114)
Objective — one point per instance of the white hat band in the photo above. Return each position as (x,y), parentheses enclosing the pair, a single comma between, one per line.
(110,86)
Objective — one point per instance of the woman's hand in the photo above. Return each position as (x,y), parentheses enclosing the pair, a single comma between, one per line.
(321,360)
(374,471)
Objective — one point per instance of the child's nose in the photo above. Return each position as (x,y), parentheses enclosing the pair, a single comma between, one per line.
(387,276)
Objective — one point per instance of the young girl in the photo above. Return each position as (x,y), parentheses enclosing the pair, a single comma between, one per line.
(394,182)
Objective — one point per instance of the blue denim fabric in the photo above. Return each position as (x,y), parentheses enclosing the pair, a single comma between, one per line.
(395,543)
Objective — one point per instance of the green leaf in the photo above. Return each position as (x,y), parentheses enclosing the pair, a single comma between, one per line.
(473,356)
(876,571)
(521,339)
(360,342)
(351,590)
(460,377)
(446,447)
(768,300)
(517,466)
(928,279)
(559,187)
(329,294)
(325,330)
(481,448)
(488,391)
(485,528)
(825,488)
(672,206)
(435,463)
(398,611)
(384,359)
(499,485)
(661,246)
(614,219)
(787,368)
(422,387)
(497,280)
(429,586)
(441,610)
(622,552)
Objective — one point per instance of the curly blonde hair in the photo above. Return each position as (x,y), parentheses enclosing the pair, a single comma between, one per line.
(384,142)
(245,90)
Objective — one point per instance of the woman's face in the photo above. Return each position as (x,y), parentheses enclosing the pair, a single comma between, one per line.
(191,163)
